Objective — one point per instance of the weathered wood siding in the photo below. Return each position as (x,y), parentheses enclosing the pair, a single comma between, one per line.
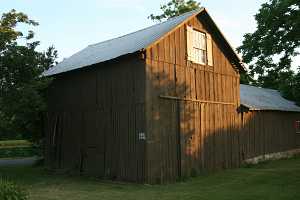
(94,119)
(195,125)
(189,113)
(266,132)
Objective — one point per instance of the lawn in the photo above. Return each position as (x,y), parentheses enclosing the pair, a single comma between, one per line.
(14,143)
(271,180)
(18,149)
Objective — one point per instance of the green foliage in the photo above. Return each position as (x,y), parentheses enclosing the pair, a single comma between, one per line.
(19,149)
(270,49)
(245,78)
(175,8)
(10,191)
(20,152)
(291,87)
(7,135)
(296,87)
(21,84)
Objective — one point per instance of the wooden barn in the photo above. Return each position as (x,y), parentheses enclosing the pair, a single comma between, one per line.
(157,105)
(270,122)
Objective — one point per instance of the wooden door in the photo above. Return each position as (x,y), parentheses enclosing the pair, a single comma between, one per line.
(168,140)
(191,142)
(54,133)
(93,141)
(58,141)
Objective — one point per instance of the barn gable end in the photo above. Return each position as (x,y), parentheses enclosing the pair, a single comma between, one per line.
(186,104)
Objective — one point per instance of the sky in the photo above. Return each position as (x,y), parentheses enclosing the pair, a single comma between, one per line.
(72,25)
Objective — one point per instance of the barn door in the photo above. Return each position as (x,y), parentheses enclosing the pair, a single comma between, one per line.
(166,130)
(93,145)
(54,140)
(182,142)
(190,129)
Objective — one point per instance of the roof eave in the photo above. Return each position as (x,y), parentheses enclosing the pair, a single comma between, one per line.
(88,66)
(251,108)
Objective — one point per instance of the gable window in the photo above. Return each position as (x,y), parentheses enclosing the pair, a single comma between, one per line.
(297,126)
(199,47)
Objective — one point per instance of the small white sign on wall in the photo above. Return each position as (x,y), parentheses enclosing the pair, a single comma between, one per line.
(142,136)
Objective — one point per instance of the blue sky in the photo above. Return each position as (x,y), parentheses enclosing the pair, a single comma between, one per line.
(72,25)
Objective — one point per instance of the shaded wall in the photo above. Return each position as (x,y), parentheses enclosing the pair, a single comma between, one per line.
(267,132)
(94,118)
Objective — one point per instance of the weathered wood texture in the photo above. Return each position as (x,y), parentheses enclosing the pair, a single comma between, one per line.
(185,135)
(94,119)
(193,124)
(266,132)
(188,112)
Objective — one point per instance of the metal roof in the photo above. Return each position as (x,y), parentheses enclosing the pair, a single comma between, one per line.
(123,45)
(256,98)
(128,44)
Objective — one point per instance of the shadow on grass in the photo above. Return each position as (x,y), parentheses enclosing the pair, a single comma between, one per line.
(279,181)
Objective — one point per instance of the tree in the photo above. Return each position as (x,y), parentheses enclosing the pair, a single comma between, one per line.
(175,8)
(296,87)
(291,89)
(21,82)
(270,49)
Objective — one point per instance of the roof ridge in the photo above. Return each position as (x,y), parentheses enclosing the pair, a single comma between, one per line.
(148,27)
(263,88)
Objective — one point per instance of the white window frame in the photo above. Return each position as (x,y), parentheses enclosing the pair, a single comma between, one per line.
(198,45)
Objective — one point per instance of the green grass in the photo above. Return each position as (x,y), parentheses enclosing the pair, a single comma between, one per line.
(19,152)
(14,143)
(18,149)
(276,180)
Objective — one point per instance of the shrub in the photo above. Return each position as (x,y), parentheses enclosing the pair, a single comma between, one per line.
(10,191)
(19,152)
